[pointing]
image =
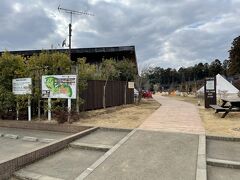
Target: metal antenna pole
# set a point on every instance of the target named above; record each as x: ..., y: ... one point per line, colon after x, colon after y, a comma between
x: 72, y: 12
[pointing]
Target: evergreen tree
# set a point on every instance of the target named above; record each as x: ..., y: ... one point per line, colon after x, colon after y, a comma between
x: 234, y: 57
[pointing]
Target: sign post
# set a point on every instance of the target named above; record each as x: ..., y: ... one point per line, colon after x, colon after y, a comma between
x: 23, y: 86
x: 59, y: 86
x: 29, y: 108
x: 69, y: 109
x: 130, y: 86
x: 210, y: 92
x: 17, y: 111
x: 49, y: 109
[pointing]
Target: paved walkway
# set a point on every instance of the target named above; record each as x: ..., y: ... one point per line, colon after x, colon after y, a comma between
x: 174, y: 116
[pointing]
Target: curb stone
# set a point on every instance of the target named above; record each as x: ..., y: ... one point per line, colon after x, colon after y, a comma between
x: 46, y: 140
x: 224, y: 138
x: 98, y: 147
x: 201, y: 173
x: 223, y: 163
x: 11, y: 136
x: 33, y: 176
x: 116, y: 129
x: 29, y: 138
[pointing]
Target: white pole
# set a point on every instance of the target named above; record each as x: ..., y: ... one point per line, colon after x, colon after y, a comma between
x: 17, y: 111
x: 29, y: 109
x: 69, y: 109
x: 49, y: 109
x: 69, y: 105
x: 77, y: 90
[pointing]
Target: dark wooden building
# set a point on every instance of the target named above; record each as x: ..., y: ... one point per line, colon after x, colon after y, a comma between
x: 93, y: 55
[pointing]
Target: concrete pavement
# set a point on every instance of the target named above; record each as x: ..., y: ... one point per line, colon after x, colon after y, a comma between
x: 220, y: 173
x: 10, y: 148
x: 66, y: 164
x: 151, y: 155
x: 223, y: 158
x: 225, y: 150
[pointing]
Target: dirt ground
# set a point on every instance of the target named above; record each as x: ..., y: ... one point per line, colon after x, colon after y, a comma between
x: 213, y: 123
x: 128, y: 116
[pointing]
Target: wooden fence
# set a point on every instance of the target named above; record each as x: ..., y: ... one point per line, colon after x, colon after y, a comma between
x: 115, y: 94
x: 92, y: 96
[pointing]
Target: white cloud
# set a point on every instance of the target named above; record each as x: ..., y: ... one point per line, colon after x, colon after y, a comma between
x: 17, y: 7
x: 165, y: 33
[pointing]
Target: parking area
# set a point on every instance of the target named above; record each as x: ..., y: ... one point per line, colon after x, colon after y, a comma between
x: 34, y: 133
x: 15, y: 142
x: 11, y: 148
x: 70, y: 162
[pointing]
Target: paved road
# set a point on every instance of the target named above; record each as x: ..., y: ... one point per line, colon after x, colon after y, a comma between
x: 174, y: 116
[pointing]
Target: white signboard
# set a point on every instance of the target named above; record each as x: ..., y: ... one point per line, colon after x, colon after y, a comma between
x: 22, y: 86
x: 131, y: 85
x: 59, y: 86
x: 210, y: 85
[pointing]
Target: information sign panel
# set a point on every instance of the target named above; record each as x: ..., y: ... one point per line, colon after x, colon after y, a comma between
x: 131, y: 85
x: 210, y: 92
x: 59, y: 86
x: 22, y: 86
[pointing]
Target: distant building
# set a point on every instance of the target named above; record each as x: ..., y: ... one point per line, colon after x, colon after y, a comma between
x: 93, y: 55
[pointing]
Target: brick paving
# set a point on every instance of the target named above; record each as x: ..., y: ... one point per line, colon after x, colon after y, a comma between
x: 174, y: 116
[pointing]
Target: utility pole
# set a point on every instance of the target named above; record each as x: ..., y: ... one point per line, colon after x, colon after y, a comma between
x: 73, y: 12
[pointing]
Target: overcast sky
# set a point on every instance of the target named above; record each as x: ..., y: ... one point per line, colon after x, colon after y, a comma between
x: 166, y: 33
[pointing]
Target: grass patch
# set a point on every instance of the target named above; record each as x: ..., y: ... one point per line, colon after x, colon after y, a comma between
x: 188, y: 99
x: 215, y: 125
x: 127, y: 116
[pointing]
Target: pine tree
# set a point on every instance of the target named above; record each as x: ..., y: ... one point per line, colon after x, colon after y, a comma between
x: 234, y: 57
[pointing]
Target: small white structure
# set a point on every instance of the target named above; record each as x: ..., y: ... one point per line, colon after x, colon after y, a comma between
x: 224, y: 88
